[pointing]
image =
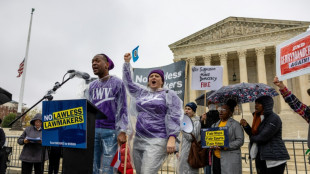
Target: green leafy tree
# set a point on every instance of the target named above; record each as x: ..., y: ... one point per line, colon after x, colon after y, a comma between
x: 30, y: 115
x: 8, y: 119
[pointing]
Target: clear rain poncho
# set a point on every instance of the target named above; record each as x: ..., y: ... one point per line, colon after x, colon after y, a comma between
x: 157, y: 116
x: 183, y: 166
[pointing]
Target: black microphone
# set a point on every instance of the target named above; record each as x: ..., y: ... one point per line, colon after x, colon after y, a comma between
x: 79, y: 74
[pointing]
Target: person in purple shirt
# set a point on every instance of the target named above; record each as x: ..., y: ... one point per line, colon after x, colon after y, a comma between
x: 108, y: 94
x: 158, y: 113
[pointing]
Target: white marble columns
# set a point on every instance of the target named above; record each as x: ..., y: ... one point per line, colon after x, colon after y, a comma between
x: 261, y: 66
x: 192, y: 93
x: 243, y: 77
x: 223, y: 59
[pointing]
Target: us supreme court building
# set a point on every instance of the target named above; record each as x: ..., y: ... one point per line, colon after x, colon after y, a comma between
x: 246, y: 48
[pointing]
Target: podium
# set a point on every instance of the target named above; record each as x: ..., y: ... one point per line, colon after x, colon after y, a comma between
x: 70, y: 124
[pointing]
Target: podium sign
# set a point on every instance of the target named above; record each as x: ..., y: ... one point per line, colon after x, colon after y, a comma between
x: 217, y: 136
x: 65, y: 123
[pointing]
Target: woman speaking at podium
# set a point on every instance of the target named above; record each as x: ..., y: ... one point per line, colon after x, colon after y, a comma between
x: 158, y: 112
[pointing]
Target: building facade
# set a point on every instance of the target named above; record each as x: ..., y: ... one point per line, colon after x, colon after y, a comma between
x: 246, y: 48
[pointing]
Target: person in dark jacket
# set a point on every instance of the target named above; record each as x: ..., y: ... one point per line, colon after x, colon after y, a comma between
x: 54, y: 159
x: 266, y: 134
x: 2, y: 151
x: 207, y: 120
x: 32, y: 150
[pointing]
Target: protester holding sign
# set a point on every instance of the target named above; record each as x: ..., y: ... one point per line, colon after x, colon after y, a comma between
x: 158, y: 112
x: 108, y: 94
x: 31, y: 139
x: 299, y: 107
x: 187, y: 139
x: 207, y: 120
x: 267, y: 146
x: 228, y: 160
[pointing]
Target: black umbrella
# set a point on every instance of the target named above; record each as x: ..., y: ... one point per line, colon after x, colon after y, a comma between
x: 201, y: 99
x: 5, y: 96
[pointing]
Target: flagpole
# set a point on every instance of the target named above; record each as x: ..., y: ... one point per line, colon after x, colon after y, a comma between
x: 21, y: 93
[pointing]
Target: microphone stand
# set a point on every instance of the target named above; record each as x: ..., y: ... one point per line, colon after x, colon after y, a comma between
x: 47, y: 96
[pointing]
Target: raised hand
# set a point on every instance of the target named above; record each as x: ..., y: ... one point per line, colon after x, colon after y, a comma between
x: 278, y: 83
x: 127, y: 57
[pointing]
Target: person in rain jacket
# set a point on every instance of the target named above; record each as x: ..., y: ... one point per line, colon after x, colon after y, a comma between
x: 184, y: 168
x: 31, y: 155
x: 158, y: 112
x: 266, y: 132
x: 108, y: 94
x: 228, y: 160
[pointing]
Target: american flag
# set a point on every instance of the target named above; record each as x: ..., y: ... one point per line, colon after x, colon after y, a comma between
x: 21, y: 68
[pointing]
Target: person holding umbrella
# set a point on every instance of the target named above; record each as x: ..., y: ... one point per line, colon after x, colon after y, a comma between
x: 299, y: 107
x: 228, y: 160
x: 267, y: 146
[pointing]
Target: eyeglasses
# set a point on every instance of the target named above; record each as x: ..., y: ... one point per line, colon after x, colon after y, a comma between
x: 221, y: 109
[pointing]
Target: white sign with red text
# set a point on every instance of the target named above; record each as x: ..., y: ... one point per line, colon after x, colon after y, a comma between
x: 207, y: 77
x: 293, y: 57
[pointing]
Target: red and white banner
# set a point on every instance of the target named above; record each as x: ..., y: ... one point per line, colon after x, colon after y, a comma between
x: 293, y: 57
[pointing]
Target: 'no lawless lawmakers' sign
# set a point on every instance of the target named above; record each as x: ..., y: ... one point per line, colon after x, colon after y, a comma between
x: 293, y: 57
x: 174, y: 76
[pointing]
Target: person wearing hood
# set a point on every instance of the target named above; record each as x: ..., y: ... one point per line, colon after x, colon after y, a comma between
x: 183, y: 166
x: 158, y: 112
x: 228, y: 160
x: 108, y: 94
x: 300, y: 108
x: 207, y: 120
x: 31, y: 139
x: 267, y: 146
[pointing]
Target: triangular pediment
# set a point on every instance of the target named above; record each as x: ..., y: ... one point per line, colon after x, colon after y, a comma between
x: 236, y: 27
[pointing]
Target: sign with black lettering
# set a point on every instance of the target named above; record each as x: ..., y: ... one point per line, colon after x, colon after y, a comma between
x: 207, y: 77
x: 217, y: 136
x: 64, y: 123
x: 174, y: 76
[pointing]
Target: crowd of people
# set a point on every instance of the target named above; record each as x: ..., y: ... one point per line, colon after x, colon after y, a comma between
x: 157, y: 116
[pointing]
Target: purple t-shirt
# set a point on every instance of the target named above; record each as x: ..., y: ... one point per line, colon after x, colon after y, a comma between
x: 109, y: 97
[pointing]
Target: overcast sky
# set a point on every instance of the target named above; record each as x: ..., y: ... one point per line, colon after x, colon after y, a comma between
x: 66, y: 34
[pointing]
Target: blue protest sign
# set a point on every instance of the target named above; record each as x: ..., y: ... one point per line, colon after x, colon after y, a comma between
x: 64, y: 123
x: 135, y: 55
x: 217, y: 136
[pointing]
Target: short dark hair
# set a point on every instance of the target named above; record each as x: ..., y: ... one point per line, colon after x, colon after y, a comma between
x: 308, y: 91
x: 0, y: 120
